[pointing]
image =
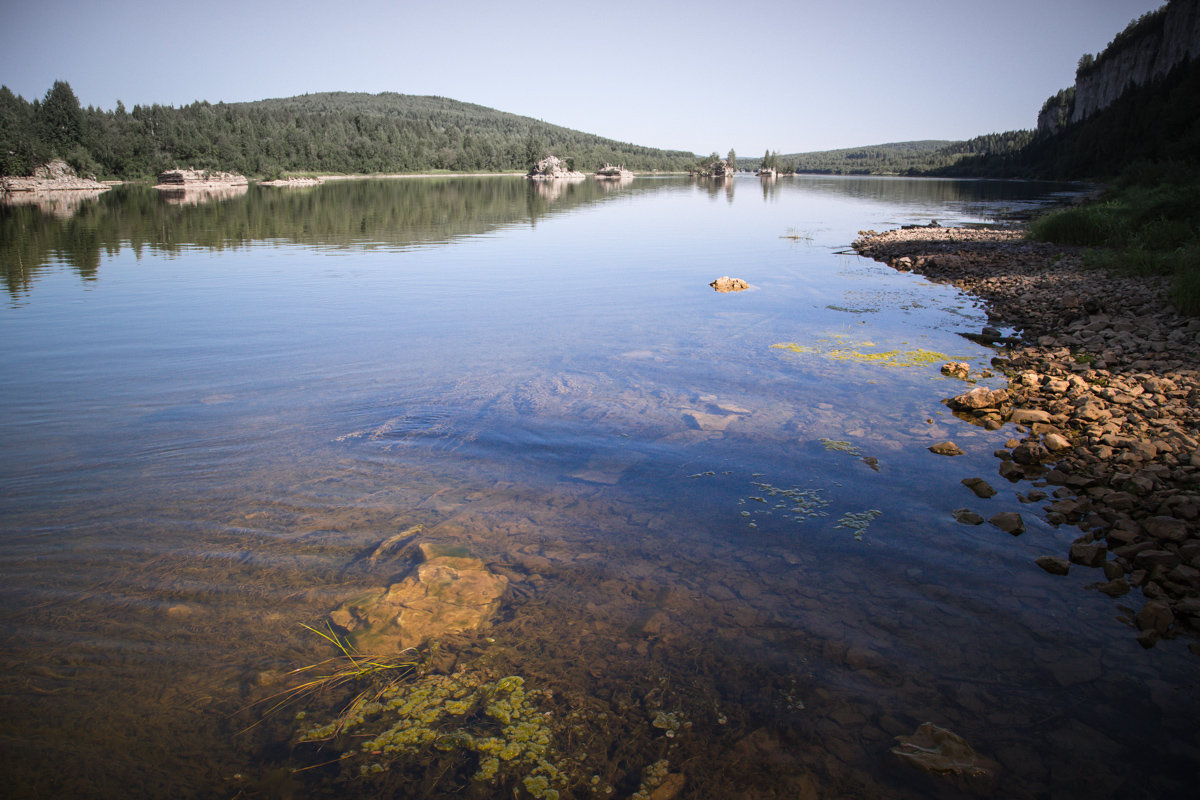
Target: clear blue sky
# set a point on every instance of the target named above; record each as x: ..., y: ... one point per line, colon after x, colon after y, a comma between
x: 789, y: 75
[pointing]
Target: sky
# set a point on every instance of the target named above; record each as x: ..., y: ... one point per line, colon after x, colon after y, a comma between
x: 697, y: 75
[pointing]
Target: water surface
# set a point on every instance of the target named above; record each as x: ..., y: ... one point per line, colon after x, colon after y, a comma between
x: 213, y: 409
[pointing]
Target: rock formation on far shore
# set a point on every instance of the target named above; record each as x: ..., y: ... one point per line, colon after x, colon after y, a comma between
x: 198, y: 179
x: 552, y: 168
x: 54, y: 176
x: 610, y: 173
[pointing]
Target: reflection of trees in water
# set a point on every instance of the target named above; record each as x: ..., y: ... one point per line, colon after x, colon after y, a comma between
x: 921, y: 191
x: 361, y: 213
x: 717, y: 187
x: 394, y: 213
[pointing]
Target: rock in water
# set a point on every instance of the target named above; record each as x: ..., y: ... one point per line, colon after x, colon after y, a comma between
x: 980, y: 487
x: 1009, y: 522
x: 947, y: 449
x: 943, y: 752
x: 957, y: 369
x: 728, y: 284
x: 450, y: 592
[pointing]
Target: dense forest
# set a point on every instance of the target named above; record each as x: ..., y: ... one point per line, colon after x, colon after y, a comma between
x: 335, y: 132
x: 903, y: 158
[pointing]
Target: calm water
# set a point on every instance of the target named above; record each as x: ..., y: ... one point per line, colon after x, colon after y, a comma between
x: 213, y: 409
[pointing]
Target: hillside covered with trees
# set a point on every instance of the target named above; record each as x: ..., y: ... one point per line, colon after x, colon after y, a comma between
x: 333, y: 132
x: 903, y: 158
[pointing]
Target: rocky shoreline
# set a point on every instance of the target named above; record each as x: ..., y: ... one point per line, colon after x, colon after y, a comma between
x: 1104, y: 392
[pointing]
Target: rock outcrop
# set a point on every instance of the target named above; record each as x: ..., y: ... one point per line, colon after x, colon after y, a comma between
x: 1151, y: 48
x: 198, y: 179
x: 715, y: 169
x: 610, y: 173
x: 54, y: 176
x: 553, y: 168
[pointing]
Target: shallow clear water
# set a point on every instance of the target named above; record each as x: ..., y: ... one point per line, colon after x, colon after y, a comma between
x: 213, y: 409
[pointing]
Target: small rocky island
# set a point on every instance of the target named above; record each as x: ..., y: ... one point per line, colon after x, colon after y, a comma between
x: 610, y: 173
x: 293, y: 183
x: 715, y: 168
x: 199, y: 179
x: 553, y: 168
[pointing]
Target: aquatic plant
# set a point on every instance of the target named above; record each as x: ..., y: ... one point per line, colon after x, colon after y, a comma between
x: 885, y: 358
x: 492, y: 721
x: 653, y: 777
x: 349, y: 667
x: 802, y: 504
x: 858, y: 521
x: 834, y: 445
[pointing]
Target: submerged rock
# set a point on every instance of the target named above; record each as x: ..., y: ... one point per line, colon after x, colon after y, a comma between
x: 942, y: 752
x: 980, y: 487
x: 449, y: 592
x: 967, y: 517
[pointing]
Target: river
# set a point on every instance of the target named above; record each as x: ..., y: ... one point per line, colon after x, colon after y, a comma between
x: 729, y: 551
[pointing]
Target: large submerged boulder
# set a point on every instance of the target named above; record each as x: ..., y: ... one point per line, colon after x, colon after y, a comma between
x: 449, y: 591
x: 942, y: 752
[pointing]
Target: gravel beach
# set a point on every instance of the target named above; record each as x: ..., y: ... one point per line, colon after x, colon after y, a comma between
x: 1103, y: 404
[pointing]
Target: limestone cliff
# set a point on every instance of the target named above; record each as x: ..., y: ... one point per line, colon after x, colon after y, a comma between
x: 1147, y: 51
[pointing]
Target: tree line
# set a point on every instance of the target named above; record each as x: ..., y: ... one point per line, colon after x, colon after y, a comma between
x: 334, y: 132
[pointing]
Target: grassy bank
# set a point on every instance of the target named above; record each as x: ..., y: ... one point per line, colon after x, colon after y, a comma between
x: 1148, y: 223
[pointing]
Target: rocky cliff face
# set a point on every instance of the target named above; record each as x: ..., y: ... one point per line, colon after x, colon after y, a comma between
x: 1149, y: 55
x: 1141, y: 60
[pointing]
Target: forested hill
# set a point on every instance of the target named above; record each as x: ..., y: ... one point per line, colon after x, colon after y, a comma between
x: 335, y: 132
x: 901, y: 158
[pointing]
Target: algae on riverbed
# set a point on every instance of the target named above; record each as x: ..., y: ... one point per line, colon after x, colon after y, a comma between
x: 858, y: 353
x: 494, y: 722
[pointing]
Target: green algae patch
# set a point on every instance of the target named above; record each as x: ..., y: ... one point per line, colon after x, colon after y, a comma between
x: 493, y: 724
x: 836, y: 446
x: 860, y: 354
x: 858, y: 521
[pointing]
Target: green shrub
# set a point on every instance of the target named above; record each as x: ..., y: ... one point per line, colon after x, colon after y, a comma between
x: 1088, y: 226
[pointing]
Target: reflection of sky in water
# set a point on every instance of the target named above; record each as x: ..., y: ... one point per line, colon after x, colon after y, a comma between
x: 211, y: 433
